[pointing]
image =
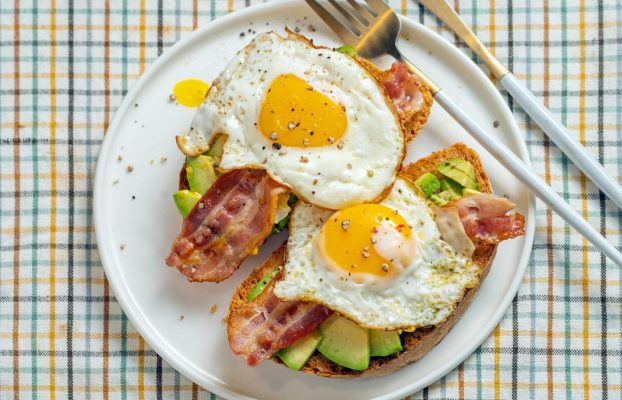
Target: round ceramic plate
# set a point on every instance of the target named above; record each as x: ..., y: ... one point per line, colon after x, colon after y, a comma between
x: 136, y: 220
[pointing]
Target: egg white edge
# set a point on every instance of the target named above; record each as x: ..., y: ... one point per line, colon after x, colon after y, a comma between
x: 408, y: 328
x: 182, y: 140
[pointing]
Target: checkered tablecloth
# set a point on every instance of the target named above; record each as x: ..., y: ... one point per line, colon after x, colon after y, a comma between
x: 64, y: 68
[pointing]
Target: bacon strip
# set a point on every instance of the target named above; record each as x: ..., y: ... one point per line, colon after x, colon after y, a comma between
x: 261, y: 327
x: 484, y: 218
x: 232, y: 219
x: 403, y: 89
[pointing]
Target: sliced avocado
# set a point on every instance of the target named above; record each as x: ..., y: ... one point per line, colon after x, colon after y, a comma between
x: 215, y: 150
x: 279, y: 226
x: 185, y: 201
x: 347, y: 49
x: 428, y: 184
x: 384, y: 343
x: 292, y: 199
x: 448, y: 195
x: 345, y: 343
x: 200, y: 173
x: 460, y: 171
x: 451, y: 186
x: 464, y: 166
x: 466, y: 192
x: 262, y: 283
x: 438, y: 200
x: 296, y: 355
x: 282, y: 224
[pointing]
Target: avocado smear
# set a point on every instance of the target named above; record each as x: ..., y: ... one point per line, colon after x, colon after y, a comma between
x: 262, y: 283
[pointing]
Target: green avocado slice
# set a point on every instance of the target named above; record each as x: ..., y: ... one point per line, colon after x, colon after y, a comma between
x: 466, y: 192
x: 460, y: 171
x: 215, y: 150
x: 345, y: 343
x: 200, y: 172
x: 384, y: 343
x: 296, y: 355
x: 451, y: 186
x: 438, y: 200
x: 185, y: 201
x: 262, y: 283
x: 347, y: 49
x: 428, y: 184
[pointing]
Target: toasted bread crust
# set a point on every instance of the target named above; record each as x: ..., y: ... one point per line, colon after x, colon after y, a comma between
x: 418, y: 343
x: 276, y: 259
x: 413, y: 125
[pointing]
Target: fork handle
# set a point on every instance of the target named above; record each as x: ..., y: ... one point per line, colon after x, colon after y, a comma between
x: 515, y: 165
x: 519, y: 169
x: 534, y: 108
x: 562, y: 138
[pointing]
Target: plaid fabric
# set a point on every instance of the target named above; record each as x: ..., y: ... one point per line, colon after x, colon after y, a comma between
x: 64, y: 68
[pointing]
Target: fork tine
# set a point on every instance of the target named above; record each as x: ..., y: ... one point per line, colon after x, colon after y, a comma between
x: 378, y: 6
x: 344, y: 32
x: 361, y: 10
x: 353, y: 17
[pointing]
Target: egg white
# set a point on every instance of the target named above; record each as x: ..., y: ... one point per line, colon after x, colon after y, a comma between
x: 373, y: 145
x: 424, y: 294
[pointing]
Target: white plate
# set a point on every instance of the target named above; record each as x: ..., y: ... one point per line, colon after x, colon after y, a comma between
x: 155, y: 296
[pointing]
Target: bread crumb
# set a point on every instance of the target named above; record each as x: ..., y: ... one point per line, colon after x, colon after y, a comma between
x: 130, y: 168
x: 163, y: 159
x: 213, y: 308
x: 119, y: 158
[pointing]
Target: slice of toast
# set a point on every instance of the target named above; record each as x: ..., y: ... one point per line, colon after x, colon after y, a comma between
x: 416, y: 344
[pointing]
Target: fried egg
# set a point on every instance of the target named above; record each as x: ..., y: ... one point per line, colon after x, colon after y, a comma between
x: 312, y: 117
x: 385, y: 266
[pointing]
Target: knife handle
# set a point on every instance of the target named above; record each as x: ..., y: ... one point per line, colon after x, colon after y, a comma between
x: 562, y: 138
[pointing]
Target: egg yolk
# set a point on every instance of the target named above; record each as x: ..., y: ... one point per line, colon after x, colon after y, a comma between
x: 366, y: 241
x: 294, y: 114
x: 190, y: 92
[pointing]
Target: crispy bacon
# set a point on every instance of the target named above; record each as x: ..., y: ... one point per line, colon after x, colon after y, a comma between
x: 484, y: 218
x: 261, y: 327
x: 232, y: 219
x: 403, y: 89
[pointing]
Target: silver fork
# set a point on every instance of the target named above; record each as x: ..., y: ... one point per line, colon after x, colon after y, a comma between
x: 373, y: 28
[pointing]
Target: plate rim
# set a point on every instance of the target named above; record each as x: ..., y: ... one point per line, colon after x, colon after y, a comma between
x: 125, y: 297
